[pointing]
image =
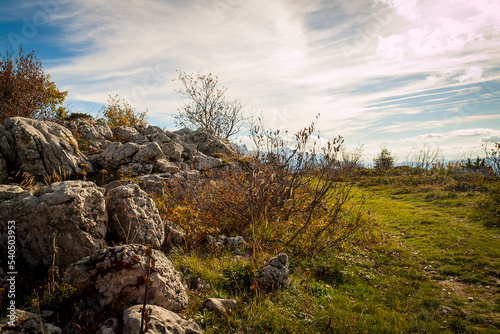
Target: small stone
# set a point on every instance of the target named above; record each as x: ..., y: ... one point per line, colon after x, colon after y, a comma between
x: 220, y: 305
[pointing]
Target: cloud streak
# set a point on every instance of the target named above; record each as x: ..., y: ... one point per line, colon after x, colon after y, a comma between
x: 373, y: 69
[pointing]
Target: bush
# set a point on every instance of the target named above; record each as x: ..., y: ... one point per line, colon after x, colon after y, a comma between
x: 76, y: 115
x: 288, y: 194
x: 26, y: 91
x: 118, y: 112
x: 384, y: 160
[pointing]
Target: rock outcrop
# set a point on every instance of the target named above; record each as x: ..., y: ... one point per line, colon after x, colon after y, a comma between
x: 71, y: 211
x: 220, y: 305
x: 40, y: 148
x: 116, y: 276
x: 275, y: 274
x: 159, y: 321
x: 133, y: 216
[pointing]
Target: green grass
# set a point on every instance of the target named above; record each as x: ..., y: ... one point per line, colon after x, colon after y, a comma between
x: 422, y: 265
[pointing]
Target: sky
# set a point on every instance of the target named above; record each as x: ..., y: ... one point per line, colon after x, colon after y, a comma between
x: 398, y: 74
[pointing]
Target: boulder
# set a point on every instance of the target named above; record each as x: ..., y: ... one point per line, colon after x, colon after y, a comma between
x: 207, y: 142
x: 133, y: 216
x: 26, y: 322
x: 72, y: 211
x: 136, y: 169
x: 89, y: 129
x: 173, y: 150
x: 116, y: 276
x: 156, y: 134
x: 166, y: 166
x: 202, y: 162
x: 149, y: 153
x: 275, y: 274
x: 159, y: 321
x: 127, y: 134
x: 154, y: 183
x: 40, y: 147
x: 116, y: 155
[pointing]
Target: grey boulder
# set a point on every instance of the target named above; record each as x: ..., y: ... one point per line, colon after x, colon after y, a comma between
x: 118, y: 274
x: 133, y: 216
x: 275, y: 274
x: 159, y: 321
x: 40, y: 148
x: 71, y: 211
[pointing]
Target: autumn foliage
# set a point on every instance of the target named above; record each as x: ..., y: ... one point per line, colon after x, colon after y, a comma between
x: 119, y: 112
x: 26, y: 91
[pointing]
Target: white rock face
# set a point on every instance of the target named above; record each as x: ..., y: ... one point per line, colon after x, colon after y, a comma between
x: 40, y: 147
x: 133, y: 216
x: 72, y: 211
x: 117, y: 275
x: 160, y: 321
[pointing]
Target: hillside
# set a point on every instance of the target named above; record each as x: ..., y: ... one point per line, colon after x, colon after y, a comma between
x: 107, y: 220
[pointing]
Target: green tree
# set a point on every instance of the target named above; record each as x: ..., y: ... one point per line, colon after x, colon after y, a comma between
x: 118, y: 112
x: 384, y: 160
x: 26, y: 91
x: 208, y: 108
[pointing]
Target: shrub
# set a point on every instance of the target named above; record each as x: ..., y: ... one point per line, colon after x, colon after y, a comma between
x: 26, y: 91
x: 384, y: 160
x: 76, y: 115
x: 118, y: 112
x: 287, y: 195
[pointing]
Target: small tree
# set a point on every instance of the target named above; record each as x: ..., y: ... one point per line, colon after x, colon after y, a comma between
x: 493, y: 157
x: 384, y: 159
x: 118, y: 112
x: 26, y: 91
x: 208, y: 108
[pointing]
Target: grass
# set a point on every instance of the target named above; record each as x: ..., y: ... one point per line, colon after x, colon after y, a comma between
x: 426, y: 261
x: 422, y: 265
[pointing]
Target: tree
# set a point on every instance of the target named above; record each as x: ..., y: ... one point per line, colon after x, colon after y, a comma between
x: 26, y: 91
x: 384, y: 159
x: 118, y: 112
x: 208, y: 108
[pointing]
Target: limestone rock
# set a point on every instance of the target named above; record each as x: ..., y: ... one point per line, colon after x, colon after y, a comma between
x: 116, y: 155
x: 40, y: 147
x: 97, y: 133
x: 275, y: 274
x: 117, y: 275
x: 175, y: 233
x: 9, y: 191
x: 72, y: 211
x: 27, y: 322
x: 160, y: 321
x: 154, y: 183
x: 203, y: 162
x: 133, y: 216
x: 136, y: 169
x: 220, y: 305
x: 173, y: 150
x: 127, y: 134
x: 149, y: 153
x: 206, y: 142
x: 166, y: 166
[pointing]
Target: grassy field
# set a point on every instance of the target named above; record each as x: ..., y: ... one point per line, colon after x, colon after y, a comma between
x: 423, y: 263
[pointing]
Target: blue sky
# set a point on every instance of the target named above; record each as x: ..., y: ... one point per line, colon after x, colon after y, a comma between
x: 395, y: 73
